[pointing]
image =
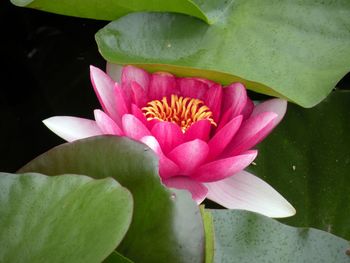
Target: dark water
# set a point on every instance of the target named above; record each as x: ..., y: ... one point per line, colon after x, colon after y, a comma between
x: 45, y: 72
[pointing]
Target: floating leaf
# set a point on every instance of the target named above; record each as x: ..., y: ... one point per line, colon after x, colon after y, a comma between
x: 298, y: 50
x: 242, y: 236
x: 307, y: 159
x: 113, y: 9
x: 166, y: 226
x: 66, y: 218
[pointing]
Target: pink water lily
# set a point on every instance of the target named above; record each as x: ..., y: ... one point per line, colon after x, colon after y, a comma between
x: 202, y: 133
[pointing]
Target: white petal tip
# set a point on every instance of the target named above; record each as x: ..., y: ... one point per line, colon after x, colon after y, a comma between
x: 72, y: 128
x: 248, y: 192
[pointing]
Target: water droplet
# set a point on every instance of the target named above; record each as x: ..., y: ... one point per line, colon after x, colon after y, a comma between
x: 294, y: 167
x: 173, y: 196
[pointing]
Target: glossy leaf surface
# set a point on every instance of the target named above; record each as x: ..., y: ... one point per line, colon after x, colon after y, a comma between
x: 66, y: 218
x: 298, y: 50
x: 166, y: 226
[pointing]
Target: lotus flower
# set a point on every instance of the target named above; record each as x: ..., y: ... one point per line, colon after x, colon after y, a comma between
x: 202, y: 133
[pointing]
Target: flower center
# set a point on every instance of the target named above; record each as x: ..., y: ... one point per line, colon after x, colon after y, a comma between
x: 182, y: 111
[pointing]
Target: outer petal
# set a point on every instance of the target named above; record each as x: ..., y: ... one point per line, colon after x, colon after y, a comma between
x: 114, y: 71
x: 162, y: 85
x: 246, y: 191
x: 189, y: 155
x: 198, y: 130
x: 223, y: 137
x: 252, y: 131
x: 198, y: 190
x: 106, y: 124
x: 104, y: 89
x: 224, y: 168
x: 192, y: 88
x: 168, y: 134
x: 122, y: 107
x: 72, y: 128
x: 134, y: 128
x: 167, y: 167
x: 131, y: 73
x: 277, y: 106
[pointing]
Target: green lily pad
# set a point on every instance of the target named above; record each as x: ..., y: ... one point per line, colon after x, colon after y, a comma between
x: 297, y: 50
x: 115, y: 257
x: 166, y: 225
x: 66, y: 218
x: 113, y: 9
x: 242, y: 236
x: 307, y: 159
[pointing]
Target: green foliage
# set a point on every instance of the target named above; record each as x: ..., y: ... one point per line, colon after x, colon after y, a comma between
x: 242, y: 236
x: 66, y: 218
x: 166, y: 225
x: 307, y: 159
x: 297, y: 50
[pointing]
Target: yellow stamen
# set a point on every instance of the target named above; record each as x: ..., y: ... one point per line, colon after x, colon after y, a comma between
x: 182, y: 111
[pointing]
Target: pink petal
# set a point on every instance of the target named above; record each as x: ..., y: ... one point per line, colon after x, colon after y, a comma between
x: 106, y: 124
x: 277, y: 106
x: 168, y: 134
x: 139, y: 95
x: 72, y: 128
x: 121, y: 107
x: 252, y: 131
x: 131, y: 73
x: 167, y: 167
x: 114, y: 71
x: 213, y: 100
x: 104, y: 89
x: 162, y: 85
x: 133, y: 127
x: 235, y: 97
x: 192, y: 88
x: 189, y: 155
x: 136, y: 111
x: 206, y: 81
x: 224, y: 168
x: 223, y: 137
x: 248, y: 109
x: 246, y: 191
x: 198, y: 190
x: 198, y: 130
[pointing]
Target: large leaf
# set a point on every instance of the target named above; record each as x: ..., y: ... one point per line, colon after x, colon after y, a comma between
x: 113, y: 9
x: 307, y: 159
x: 242, y: 236
x: 293, y: 49
x: 166, y: 226
x: 66, y: 218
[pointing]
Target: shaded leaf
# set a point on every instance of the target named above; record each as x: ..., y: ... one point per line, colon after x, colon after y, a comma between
x: 115, y: 257
x: 113, y: 9
x: 242, y: 236
x: 307, y: 159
